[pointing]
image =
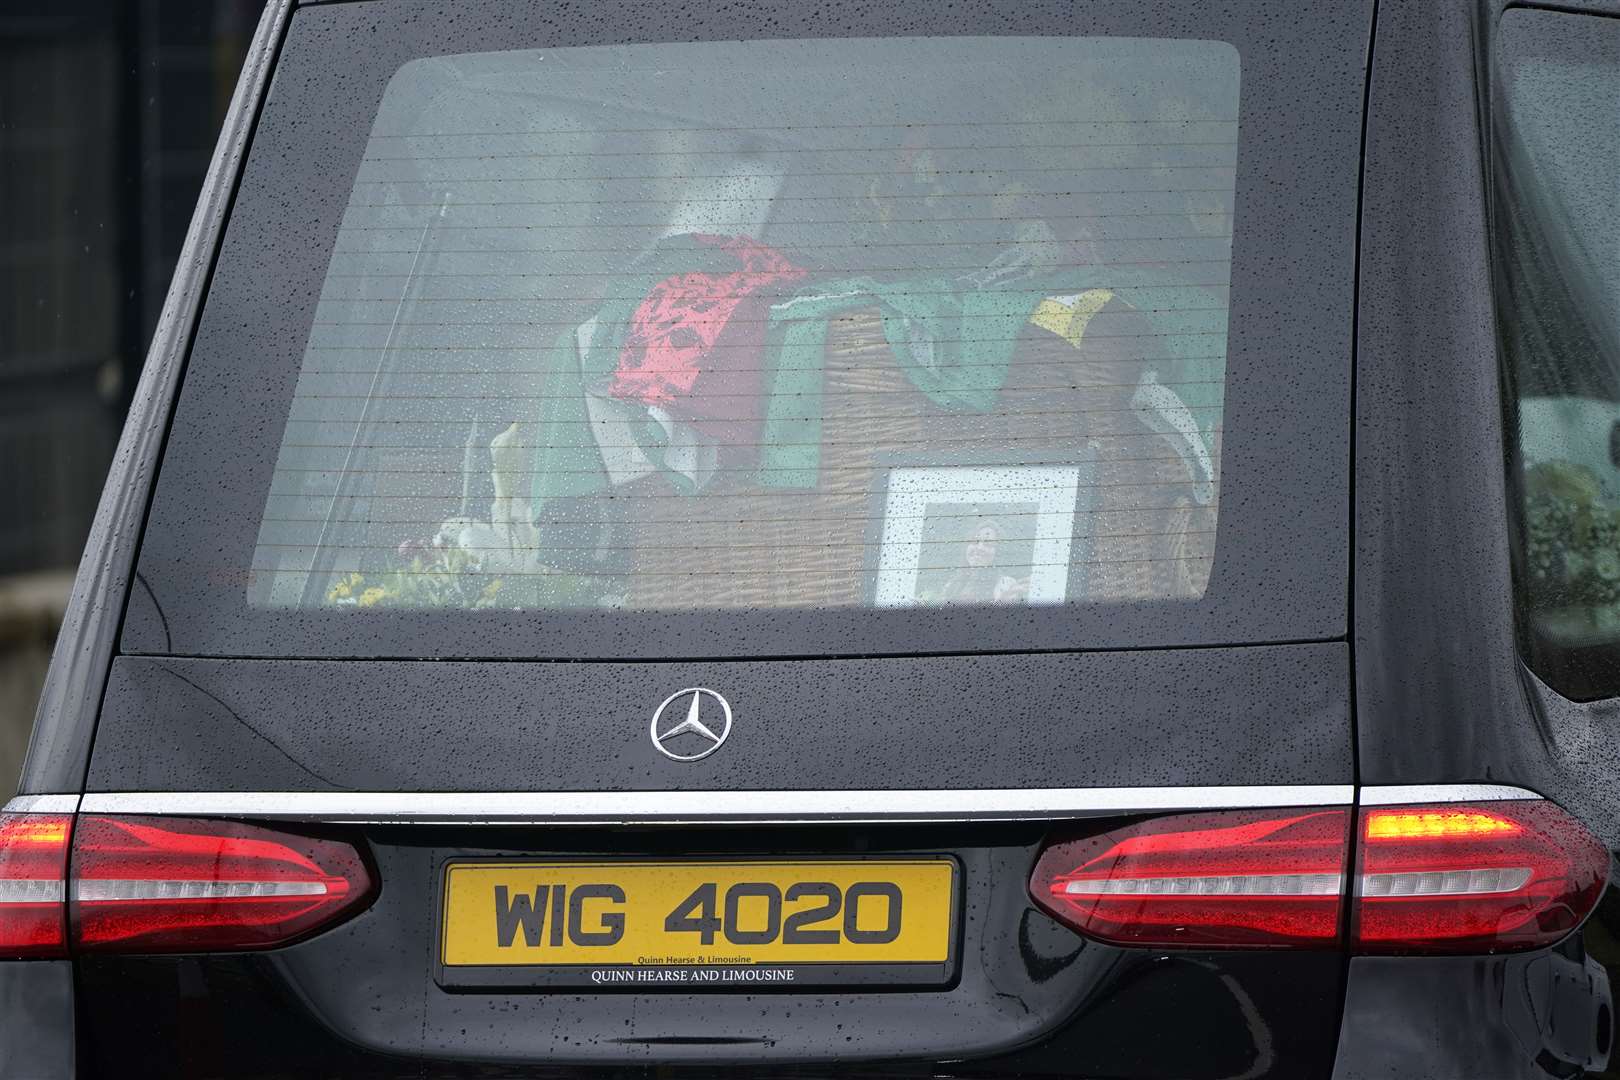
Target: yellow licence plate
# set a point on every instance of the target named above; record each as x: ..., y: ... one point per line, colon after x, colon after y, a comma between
x: 687, y: 924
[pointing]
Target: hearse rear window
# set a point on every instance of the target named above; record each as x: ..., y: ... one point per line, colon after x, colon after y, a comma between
x: 852, y: 323
x: 680, y: 333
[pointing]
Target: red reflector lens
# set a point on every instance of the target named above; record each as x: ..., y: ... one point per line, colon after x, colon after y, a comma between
x: 1474, y: 877
x: 33, y: 869
x: 1231, y: 878
x: 175, y: 884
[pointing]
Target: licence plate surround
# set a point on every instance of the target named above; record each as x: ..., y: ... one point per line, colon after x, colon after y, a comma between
x: 468, y: 953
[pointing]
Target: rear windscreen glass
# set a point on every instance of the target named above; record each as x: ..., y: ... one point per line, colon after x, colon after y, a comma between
x: 774, y: 323
x: 946, y: 334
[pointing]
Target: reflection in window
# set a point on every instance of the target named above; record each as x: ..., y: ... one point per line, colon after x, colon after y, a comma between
x: 1558, y: 126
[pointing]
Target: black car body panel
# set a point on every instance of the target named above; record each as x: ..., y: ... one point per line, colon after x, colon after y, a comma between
x: 1440, y: 689
x: 1114, y: 1035
x: 1426, y: 688
x: 1534, y: 1015
x: 1032, y: 998
x: 1272, y: 715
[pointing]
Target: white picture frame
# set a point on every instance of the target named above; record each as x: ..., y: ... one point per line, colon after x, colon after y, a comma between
x: 939, y: 522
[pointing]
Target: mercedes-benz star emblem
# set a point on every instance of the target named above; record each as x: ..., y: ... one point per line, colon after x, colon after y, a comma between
x: 692, y: 733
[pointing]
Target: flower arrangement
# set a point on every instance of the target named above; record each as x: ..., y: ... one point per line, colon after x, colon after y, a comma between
x: 428, y: 576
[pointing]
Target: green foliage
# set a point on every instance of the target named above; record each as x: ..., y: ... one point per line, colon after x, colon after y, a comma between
x: 1572, y: 538
x: 430, y: 577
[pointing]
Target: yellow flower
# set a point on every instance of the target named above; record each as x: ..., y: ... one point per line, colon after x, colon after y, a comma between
x: 345, y: 588
x: 371, y: 596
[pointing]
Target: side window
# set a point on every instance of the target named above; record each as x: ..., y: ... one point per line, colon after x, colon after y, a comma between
x: 1558, y: 258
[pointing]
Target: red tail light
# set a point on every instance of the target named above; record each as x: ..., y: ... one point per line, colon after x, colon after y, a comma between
x: 1474, y: 877
x: 174, y: 884
x: 1241, y: 877
x: 33, y: 873
x: 1445, y: 878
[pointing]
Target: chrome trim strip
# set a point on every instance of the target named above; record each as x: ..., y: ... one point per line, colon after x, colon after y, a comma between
x: 683, y: 807
x: 1385, y: 795
x: 677, y: 807
x: 41, y: 804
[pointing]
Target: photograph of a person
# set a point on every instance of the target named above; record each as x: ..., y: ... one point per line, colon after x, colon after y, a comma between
x: 977, y: 535
x: 976, y: 553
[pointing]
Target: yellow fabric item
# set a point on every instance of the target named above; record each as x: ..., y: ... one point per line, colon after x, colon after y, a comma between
x: 1068, y: 321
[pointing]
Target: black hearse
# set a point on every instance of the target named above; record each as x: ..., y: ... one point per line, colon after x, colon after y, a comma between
x: 1060, y: 539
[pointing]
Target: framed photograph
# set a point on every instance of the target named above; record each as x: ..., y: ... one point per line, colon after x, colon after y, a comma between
x: 977, y: 534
